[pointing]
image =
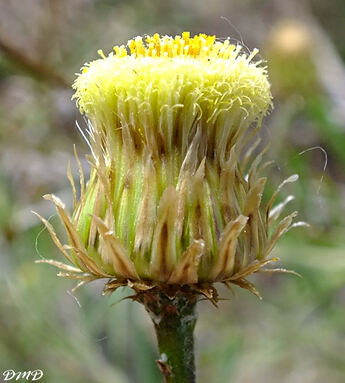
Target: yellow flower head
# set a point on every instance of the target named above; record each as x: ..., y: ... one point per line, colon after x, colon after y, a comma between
x: 173, y: 198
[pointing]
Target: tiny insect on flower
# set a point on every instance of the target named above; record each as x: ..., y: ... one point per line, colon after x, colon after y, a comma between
x: 174, y: 196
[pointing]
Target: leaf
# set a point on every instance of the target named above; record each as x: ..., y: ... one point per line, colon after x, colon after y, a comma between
x: 71, y: 231
x: 123, y: 266
x: 208, y: 291
x: 186, y: 270
x: 141, y: 285
x: 163, y: 254
x: 254, y: 195
x: 280, y: 270
x: 54, y: 237
x: 59, y: 265
x: 249, y: 153
x: 81, y: 174
x: 86, y: 262
x: 227, y: 248
x: 276, y: 211
x: 147, y: 209
x: 244, y: 284
x: 253, y: 167
x: 290, y: 179
x: 299, y: 224
x: 71, y: 180
x: 113, y: 285
x: 251, y: 268
x: 85, y: 277
x: 281, y: 229
x: 80, y: 284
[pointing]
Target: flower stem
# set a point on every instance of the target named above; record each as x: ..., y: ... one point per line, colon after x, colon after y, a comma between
x: 174, y: 321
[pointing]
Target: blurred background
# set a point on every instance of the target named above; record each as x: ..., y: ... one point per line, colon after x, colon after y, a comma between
x: 297, y: 333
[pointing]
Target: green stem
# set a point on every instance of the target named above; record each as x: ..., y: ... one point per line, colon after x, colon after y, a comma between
x: 174, y: 321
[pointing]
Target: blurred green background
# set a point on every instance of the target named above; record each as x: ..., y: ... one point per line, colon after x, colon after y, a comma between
x: 297, y: 333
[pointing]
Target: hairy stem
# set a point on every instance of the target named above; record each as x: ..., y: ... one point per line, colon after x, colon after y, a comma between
x: 174, y: 321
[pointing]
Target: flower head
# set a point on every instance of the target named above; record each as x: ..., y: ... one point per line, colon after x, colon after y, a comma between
x: 173, y: 198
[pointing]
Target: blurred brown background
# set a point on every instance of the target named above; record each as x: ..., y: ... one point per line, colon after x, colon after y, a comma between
x: 297, y: 333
